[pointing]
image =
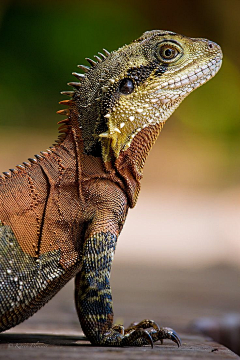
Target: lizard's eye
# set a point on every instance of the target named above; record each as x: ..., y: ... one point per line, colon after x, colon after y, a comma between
x: 126, y: 86
x: 168, y: 52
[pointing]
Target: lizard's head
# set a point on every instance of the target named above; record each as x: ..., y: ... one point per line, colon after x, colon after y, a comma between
x: 139, y: 86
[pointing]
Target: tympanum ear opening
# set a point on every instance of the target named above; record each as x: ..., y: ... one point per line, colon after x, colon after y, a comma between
x: 126, y: 86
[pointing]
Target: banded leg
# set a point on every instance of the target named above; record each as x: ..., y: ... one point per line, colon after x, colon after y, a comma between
x: 93, y: 297
x: 94, y: 300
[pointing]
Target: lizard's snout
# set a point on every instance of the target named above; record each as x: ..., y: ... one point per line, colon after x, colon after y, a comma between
x: 214, y: 47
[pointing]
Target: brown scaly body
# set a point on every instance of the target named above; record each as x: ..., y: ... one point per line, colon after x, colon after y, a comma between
x: 62, y: 212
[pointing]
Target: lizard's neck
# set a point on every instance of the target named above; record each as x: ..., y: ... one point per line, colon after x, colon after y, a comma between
x: 126, y: 169
x: 130, y: 163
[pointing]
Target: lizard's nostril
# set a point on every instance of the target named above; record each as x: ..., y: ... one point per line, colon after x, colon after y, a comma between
x: 210, y: 45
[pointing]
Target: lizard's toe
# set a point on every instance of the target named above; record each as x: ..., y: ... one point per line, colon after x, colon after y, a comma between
x: 168, y: 333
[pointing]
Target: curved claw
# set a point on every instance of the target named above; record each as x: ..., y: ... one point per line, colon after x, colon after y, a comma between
x: 176, y: 339
x: 148, y: 337
x: 172, y: 335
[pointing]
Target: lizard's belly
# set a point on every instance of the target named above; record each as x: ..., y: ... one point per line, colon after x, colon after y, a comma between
x: 27, y: 283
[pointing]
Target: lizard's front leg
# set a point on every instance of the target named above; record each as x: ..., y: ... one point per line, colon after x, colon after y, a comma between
x: 93, y: 293
x: 94, y: 300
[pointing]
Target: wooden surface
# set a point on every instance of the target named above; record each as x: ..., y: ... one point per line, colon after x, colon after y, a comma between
x: 15, y: 346
x: 174, y: 298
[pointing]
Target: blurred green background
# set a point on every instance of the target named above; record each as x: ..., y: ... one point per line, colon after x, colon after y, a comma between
x: 41, y: 42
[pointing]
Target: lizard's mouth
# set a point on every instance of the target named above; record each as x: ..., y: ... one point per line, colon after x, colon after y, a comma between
x: 180, y: 86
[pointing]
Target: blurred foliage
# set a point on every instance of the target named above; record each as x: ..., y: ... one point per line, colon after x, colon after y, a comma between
x: 41, y: 42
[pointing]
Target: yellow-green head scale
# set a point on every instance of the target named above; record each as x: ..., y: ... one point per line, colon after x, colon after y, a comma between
x: 141, y: 84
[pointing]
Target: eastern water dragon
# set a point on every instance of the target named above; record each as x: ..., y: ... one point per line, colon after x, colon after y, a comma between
x: 62, y: 211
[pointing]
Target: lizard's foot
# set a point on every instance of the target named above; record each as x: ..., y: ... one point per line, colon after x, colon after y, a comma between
x: 137, y: 335
x: 156, y: 332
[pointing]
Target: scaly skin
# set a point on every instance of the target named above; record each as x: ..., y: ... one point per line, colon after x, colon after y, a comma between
x: 61, y: 213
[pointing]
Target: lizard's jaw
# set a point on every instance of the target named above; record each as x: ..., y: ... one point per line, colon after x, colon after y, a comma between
x: 189, y: 80
x: 167, y: 96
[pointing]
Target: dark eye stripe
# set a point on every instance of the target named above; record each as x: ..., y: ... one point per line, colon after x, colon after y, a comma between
x: 161, y: 70
x: 141, y: 73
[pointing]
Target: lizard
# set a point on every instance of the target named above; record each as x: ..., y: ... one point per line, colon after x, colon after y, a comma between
x: 62, y: 211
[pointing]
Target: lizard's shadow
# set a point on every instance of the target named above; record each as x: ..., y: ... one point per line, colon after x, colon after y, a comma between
x: 38, y: 340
